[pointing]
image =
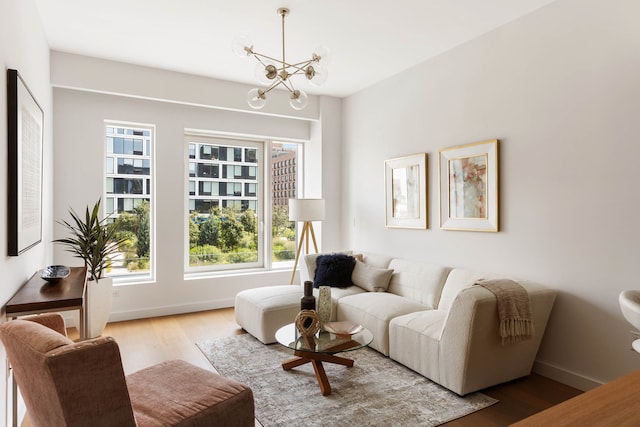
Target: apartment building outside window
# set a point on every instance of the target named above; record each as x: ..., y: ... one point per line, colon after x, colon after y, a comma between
x: 227, y: 195
x: 225, y: 207
x: 129, y: 196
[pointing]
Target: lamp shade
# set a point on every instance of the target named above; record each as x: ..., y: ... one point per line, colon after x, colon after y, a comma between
x: 306, y: 209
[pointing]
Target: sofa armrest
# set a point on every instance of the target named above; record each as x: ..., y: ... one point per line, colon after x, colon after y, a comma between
x: 471, y: 351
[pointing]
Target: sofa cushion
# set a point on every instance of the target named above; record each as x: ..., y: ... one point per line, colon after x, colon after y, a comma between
x: 418, y: 281
x: 262, y: 311
x: 374, y: 311
x: 334, y: 270
x: 370, y: 278
x: 457, y: 280
x: 308, y: 266
x: 414, y: 336
x: 374, y: 259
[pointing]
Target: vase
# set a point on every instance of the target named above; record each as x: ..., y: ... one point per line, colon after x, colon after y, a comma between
x: 308, y: 301
x: 324, y: 305
x: 98, y: 305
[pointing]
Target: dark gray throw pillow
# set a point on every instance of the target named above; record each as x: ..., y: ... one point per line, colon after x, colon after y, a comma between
x: 334, y: 270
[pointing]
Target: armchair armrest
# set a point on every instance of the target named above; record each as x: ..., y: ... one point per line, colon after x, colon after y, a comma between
x: 53, y: 321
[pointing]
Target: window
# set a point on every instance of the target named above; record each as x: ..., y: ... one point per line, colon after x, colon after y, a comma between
x: 225, y: 205
x: 128, y: 196
x: 283, y: 231
x: 227, y: 197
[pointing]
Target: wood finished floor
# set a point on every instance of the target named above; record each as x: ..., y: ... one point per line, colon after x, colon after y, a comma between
x: 145, y: 342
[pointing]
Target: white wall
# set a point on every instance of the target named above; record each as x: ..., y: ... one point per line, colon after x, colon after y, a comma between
x: 560, y: 89
x: 23, y: 47
x: 80, y: 111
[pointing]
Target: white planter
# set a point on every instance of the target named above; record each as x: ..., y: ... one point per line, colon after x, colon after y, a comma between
x: 98, y: 305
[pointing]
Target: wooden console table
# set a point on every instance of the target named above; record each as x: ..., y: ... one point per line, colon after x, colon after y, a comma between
x: 612, y: 404
x: 38, y: 296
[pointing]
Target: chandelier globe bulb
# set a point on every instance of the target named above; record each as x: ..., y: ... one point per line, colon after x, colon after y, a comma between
x: 317, y: 74
x: 299, y: 99
x: 323, y: 54
x: 266, y: 72
x: 256, y: 98
x: 242, y: 46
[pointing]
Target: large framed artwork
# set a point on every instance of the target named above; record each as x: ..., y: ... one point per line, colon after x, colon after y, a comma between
x: 25, y: 132
x: 406, y: 191
x: 468, y: 186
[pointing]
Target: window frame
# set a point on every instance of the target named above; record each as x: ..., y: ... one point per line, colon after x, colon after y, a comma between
x: 150, y: 146
x: 232, y: 143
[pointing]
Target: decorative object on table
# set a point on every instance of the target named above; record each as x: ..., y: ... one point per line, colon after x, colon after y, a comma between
x: 324, y: 305
x: 94, y: 241
x: 345, y: 328
x: 275, y: 72
x: 468, y: 176
x: 305, y: 210
x: 405, y: 181
x: 25, y: 124
x: 308, y: 301
x: 307, y: 323
x: 53, y: 273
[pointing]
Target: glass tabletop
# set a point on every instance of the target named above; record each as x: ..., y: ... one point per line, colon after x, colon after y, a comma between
x: 322, y: 341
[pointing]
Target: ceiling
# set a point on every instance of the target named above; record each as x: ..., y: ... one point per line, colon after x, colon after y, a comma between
x: 370, y: 40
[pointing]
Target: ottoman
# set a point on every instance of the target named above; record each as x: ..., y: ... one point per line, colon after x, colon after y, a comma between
x: 176, y: 393
x: 262, y: 311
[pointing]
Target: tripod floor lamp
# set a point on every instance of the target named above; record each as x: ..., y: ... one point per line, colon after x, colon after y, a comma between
x: 305, y: 210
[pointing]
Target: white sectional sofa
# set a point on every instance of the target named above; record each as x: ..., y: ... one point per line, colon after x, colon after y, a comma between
x: 430, y: 318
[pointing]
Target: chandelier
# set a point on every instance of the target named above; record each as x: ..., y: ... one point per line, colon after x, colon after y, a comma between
x: 275, y: 72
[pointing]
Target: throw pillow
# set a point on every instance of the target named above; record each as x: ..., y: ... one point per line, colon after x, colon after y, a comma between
x: 334, y: 270
x: 310, y: 261
x: 370, y: 278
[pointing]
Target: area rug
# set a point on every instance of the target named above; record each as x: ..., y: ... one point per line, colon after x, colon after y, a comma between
x: 376, y: 391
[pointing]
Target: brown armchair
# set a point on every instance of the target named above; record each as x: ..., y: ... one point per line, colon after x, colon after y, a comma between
x: 83, y: 384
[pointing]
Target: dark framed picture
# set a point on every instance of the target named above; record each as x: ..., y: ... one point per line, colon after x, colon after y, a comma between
x: 25, y: 122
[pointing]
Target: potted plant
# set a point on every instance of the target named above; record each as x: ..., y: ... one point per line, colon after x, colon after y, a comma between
x: 93, y: 240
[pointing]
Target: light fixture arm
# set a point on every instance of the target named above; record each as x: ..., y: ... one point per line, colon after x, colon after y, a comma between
x: 283, y: 11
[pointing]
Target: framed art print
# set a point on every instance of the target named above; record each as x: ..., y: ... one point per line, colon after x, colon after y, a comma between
x: 406, y: 191
x: 468, y: 187
x: 25, y: 132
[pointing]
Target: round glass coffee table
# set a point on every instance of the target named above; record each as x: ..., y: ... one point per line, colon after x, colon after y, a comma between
x: 319, y: 348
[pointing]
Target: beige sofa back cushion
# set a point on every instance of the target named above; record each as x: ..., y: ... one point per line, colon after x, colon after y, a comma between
x: 458, y: 279
x: 375, y: 260
x: 370, y: 278
x: 419, y: 281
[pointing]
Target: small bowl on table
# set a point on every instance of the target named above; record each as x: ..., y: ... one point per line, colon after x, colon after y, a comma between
x: 343, y: 329
x: 54, y: 273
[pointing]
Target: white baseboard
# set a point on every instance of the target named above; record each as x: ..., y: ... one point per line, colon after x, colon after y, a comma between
x: 71, y: 318
x: 563, y: 376
x: 170, y: 310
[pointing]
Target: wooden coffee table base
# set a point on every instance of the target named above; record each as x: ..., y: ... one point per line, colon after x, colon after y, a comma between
x: 316, y: 359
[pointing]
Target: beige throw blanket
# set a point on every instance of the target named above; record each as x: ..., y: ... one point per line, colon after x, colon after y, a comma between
x: 514, y: 309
